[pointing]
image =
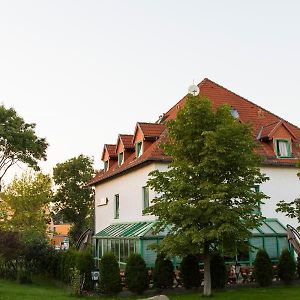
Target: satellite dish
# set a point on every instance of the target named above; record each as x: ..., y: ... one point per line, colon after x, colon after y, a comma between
x: 194, y: 90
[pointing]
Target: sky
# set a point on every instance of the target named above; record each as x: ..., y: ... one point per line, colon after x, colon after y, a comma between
x: 85, y: 71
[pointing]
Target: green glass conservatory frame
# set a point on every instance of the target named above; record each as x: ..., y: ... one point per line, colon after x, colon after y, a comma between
x: 125, y: 238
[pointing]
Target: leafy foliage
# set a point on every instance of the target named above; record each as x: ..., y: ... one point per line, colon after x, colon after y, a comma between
x: 263, y: 268
x: 18, y: 142
x: 298, y: 266
x: 73, y: 199
x: 207, y: 193
x: 27, y: 199
x: 218, y: 271
x: 163, y: 273
x: 286, y: 267
x: 110, y: 281
x: 136, y: 274
x: 189, y: 269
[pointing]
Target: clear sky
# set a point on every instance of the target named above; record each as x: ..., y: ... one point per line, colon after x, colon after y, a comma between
x: 84, y: 71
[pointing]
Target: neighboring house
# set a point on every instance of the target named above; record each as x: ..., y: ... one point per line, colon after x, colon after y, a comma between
x: 59, y: 235
x: 121, y: 191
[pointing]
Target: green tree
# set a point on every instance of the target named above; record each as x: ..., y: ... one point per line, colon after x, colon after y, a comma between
x: 286, y: 267
x: 163, y: 273
x: 206, y: 197
x: 263, y: 268
x: 73, y: 198
x: 27, y: 199
x: 18, y: 142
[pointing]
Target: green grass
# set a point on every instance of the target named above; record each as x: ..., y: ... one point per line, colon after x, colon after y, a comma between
x: 46, y: 291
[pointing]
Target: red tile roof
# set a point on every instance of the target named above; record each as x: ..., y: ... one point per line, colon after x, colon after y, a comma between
x: 262, y: 121
x: 127, y: 140
x: 111, y: 149
x: 151, y: 130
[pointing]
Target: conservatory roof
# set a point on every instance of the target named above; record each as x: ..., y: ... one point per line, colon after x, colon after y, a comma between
x: 126, y: 230
x: 271, y: 227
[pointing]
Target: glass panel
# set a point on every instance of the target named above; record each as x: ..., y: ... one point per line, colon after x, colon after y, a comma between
x: 257, y: 243
x: 106, y: 165
x: 148, y: 254
x: 276, y: 226
x: 271, y: 246
x: 113, y: 246
x: 282, y: 244
x: 138, y: 149
x: 126, y: 249
x: 122, y: 250
x: 266, y: 229
x: 117, y: 250
x: 120, y: 158
x: 131, y: 246
x: 104, y: 246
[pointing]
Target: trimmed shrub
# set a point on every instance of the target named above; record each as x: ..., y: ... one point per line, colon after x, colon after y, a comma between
x: 263, y: 268
x: 286, y: 267
x: 218, y: 271
x: 110, y: 281
x: 163, y: 273
x: 190, y: 274
x: 136, y: 274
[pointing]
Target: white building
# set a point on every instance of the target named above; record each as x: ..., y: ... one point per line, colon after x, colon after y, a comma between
x: 121, y: 193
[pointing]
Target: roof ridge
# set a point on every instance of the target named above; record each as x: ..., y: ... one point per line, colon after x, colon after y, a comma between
x: 249, y: 101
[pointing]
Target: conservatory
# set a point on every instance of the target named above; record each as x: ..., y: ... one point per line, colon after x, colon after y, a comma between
x: 125, y: 238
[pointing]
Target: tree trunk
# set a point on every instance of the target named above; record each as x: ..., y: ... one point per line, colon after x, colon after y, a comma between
x: 207, y: 279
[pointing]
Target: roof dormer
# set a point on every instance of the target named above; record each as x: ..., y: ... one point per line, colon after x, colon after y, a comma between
x: 124, y: 147
x: 281, y: 136
x: 144, y: 135
x: 109, y: 156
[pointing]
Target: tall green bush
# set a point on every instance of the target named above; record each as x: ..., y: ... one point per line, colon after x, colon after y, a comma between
x: 189, y: 269
x: 218, y: 271
x: 286, y: 267
x: 110, y: 281
x: 163, y: 273
x: 136, y: 274
x: 263, y: 269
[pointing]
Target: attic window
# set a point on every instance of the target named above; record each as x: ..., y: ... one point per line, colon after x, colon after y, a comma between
x: 105, y: 165
x: 120, y: 158
x: 283, y: 148
x: 139, y: 149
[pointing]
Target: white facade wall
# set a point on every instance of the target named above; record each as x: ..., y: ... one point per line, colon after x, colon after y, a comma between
x: 129, y: 187
x: 283, y: 185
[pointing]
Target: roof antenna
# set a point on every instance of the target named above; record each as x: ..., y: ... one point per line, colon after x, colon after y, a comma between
x: 194, y: 89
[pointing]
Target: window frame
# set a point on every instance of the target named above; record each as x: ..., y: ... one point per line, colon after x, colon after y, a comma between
x: 116, y: 206
x: 106, y: 165
x: 289, y: 148
x: 146, y: 202
x: 139, y: 149
x: 120, y: 162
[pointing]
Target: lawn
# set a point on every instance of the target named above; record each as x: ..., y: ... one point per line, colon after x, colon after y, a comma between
x: 14, y: 291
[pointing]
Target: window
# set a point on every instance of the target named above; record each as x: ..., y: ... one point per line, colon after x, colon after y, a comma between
x: 257, y: 209
x: 139, y: 149
x: 283, y: 148
x: 120, y: 158
x: 145, y: 197
x: 105, y: 165
x: 117, y: 206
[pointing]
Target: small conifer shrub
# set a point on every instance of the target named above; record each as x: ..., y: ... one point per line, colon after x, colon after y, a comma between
x: 136, y: 274
x: 218, y: 271
x: 263, y: 268
x: 163, y: 273
x: 190, y: 274
x: 110, y: 281
x: 286, y: 267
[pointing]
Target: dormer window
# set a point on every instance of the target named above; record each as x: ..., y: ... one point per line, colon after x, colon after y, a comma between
x: 120, y: 158
x: 283, y: 148
x: 139, y: 149
x: 105, y: 165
